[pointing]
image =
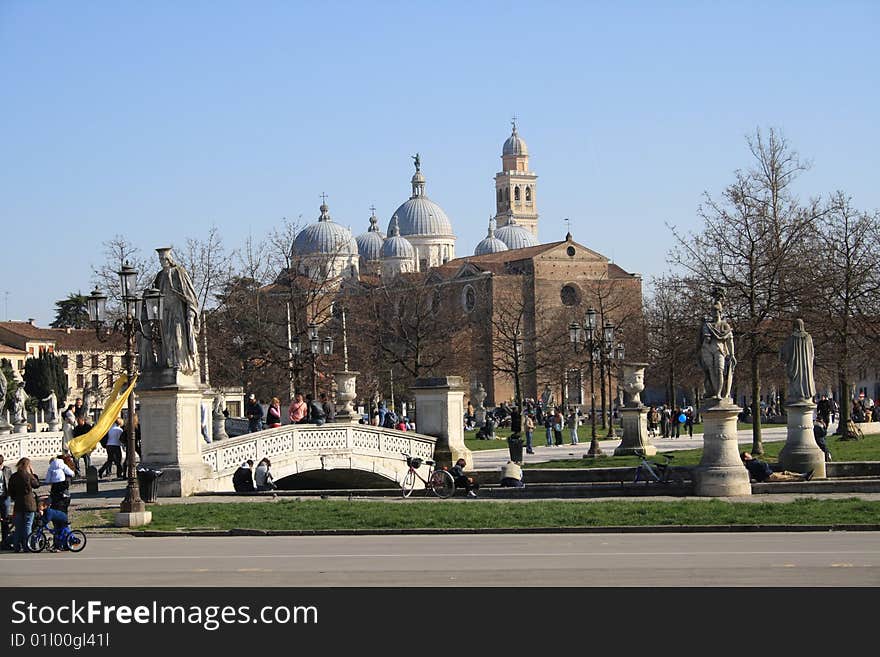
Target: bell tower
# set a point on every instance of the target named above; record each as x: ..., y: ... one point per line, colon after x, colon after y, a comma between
x: 516, y: 186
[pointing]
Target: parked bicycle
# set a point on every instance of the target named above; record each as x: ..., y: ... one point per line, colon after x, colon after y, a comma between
x: 439, y: 482
x: 62, y: 539
x: 661, y: 473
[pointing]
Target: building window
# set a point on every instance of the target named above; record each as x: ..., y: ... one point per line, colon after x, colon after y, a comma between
x: 500, y: 195
x: 516, y: 193
x: 528, y: 193
x: 94, y: 361
x: 79, y: 362
x: 468, y: 298
x: 80, y: 381
x: 570, y: 295
x: 110, y: 363
x: 110, y: 379
x: 95, y: 382
x: 64, y: 362
x: 570, y: 251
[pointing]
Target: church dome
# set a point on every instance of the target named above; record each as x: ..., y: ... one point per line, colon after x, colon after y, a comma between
x: 369, y: 244
x: 420, y: 215
x: 490, y: 243
x: 515, y: 145
x: 325, y: 237
x: 396, y: 246
x: 515, y: 236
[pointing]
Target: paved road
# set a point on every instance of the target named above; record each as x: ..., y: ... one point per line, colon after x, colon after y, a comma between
x: 771, y: 559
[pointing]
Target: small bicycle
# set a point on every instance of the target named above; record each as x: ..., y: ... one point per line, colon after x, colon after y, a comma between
x: 662, y: 473
x: 66, y: 538
x: 439, y: 482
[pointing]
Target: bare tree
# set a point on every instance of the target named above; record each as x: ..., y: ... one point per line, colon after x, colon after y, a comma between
x: 118, y: 252
x: 748, y: 247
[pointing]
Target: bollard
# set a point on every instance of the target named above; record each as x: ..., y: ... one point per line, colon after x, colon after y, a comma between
x: 91, y: 479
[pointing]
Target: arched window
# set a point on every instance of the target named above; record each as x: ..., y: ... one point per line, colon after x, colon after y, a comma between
x: 528, y: 193
x: 516, y: 193
x: 507, y: 193
x: 500, y: 195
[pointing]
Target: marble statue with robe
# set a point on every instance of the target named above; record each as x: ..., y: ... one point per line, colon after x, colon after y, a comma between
x: 797, y: 354
x: 19, y: 411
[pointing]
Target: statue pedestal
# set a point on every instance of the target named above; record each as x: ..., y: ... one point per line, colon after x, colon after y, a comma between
x: 5, y: 427
x: 219, y: 428
x: 801, y: 453
x: 345, y: 395
x: 439, y: 410
x: 54, y: 425
x: 136, y: 519
x: 170, y: 419
x: 721, y: 472
x: 20, y: 427
x: 635, y: 432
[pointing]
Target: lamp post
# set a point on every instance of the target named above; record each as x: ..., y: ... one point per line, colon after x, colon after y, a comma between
x: 317, y: 347
x: 617, y: 354
x: 583, y: 339
x: 129, y: 325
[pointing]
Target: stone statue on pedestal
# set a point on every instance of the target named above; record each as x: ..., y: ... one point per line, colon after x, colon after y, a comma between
x: 797, y: 354
x: 52, y: 400
x: 547, y: 400
x: 715, y: 353
x: 478, y: 396
x: 19, y: 412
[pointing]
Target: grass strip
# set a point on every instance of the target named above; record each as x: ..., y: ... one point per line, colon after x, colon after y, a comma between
x: 287, y: 514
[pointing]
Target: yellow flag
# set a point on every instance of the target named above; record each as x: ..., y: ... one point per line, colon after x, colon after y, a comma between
x: 86, y: 443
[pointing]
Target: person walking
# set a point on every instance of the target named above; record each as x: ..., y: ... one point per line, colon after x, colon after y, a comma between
x: 21, y: 489
x: 82, y: 428
x: 114, y: 450
x: 68, y: 424
x: 573, y: 426
x: 254, y: 413
x: 273, y: 413
x: 558, y: 424
x: 548, y: 426
x: 529, y: 424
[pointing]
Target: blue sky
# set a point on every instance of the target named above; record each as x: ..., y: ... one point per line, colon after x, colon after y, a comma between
x: 157, y: 120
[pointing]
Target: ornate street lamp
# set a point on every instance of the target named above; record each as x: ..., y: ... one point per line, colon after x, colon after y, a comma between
x: 129, y: 325
x: 317, y: 347
x: 583, y: 339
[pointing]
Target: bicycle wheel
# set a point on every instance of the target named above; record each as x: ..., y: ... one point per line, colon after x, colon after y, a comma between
x: 76, y: 540
x: 409, y: 483
x: 442, y: 484
x: 37, y: 541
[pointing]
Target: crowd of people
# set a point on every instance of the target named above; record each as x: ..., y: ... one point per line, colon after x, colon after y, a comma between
x: 301, y: 410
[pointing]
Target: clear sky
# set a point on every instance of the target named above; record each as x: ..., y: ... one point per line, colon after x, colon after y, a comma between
x: 159, y: 119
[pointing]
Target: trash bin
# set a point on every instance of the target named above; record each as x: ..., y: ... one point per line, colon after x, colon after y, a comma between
x: 515, y: 445
x: 148, y: 482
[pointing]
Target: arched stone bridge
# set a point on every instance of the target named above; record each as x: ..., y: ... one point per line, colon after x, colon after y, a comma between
x: 345, y: 450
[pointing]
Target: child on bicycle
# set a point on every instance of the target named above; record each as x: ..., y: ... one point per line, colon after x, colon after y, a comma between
x: 60, y: 523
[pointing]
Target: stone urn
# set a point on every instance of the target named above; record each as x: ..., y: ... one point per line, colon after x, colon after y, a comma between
x: 633, y: 383
x: 345, y: 395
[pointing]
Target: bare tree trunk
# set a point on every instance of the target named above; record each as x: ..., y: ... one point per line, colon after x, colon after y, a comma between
x: 757, y: 444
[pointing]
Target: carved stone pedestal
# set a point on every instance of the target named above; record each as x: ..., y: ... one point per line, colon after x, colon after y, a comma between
x: 170, y: 419
x: 721, y: 472
x: 138, y: 519
x: 345, y: 395
x: 5, y: 427
x: 439, y: 409
x: 635, y: 433
x: 801, y: 453
x: 20, y: 427
x: 219, y: 428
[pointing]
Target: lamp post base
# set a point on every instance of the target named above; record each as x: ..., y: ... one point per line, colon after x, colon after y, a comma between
x: 595, y: 450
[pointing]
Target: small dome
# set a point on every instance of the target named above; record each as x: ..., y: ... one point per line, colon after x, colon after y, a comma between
x: 490, y: 243
x: 369, y: 244
x: 515, y: 145
x: 515, y: 236
x: 325, y: 237
x: 396, y: 246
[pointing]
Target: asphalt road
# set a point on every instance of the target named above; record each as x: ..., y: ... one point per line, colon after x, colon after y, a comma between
x: 724, y: 559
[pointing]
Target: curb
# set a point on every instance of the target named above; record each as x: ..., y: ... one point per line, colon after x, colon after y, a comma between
x: 648, y: 529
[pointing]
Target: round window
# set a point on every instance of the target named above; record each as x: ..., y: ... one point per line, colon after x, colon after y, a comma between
x: 570, y: 251
x: 570, y: 295
x: 468, y: 299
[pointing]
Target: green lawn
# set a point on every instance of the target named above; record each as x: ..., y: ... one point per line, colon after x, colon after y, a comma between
x: 841, y: 450
x: 408, y: 514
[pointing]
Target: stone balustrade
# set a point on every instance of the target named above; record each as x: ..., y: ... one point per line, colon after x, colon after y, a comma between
x: 36, y: 445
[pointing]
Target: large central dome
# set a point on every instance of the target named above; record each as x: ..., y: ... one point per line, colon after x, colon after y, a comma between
x: 420, y: 215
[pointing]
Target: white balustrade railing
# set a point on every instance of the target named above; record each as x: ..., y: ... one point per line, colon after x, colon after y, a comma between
x: 40, y: 445
x: 294, y: 440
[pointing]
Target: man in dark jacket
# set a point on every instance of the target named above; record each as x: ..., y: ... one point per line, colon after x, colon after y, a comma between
x: 462, y: 480
x: 328, y: 407
x: 5, y: 506
x: 243, y: 479
x: 254, y: 414
x: 761, y: 471
x: 316, y: 413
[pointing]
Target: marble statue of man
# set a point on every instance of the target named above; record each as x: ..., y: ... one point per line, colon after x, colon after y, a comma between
x: 180, y: 316
x: 53, y: 406
x: 3, y: 388
x: 219, y: 404
x: 478, y: 397
x: 797, y: 354
x: 715, y: 355
x: 547, y: 400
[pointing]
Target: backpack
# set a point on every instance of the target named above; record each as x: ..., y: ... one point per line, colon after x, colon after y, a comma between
x: 390, y: 420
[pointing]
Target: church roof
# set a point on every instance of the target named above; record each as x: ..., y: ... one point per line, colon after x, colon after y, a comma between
x: 325, y: 237
x: 490, y: 243
x: 370, y: 243
x: 515, y: 145
x: 516, y: 236
x: 396, y: 246
x: 420, y: 216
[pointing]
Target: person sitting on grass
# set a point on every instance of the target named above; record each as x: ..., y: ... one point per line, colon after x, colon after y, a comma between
x: 59, y: 521
x: 462, y: 480
x: 761, y: 471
